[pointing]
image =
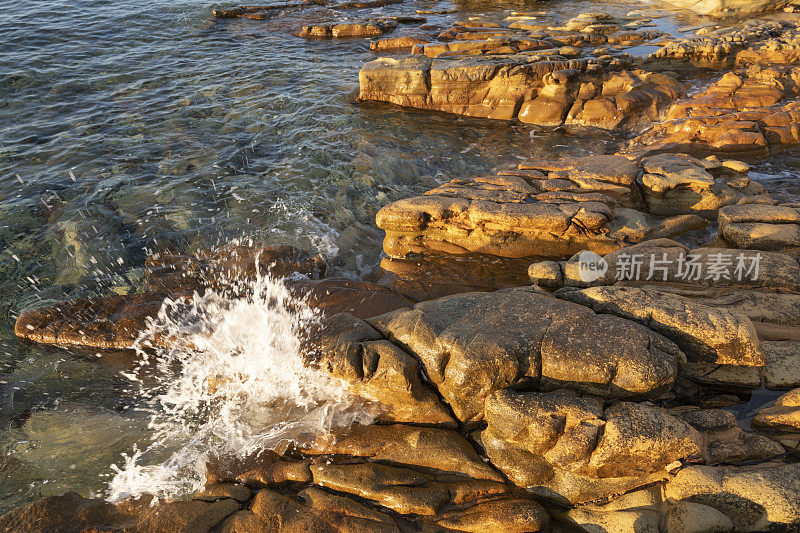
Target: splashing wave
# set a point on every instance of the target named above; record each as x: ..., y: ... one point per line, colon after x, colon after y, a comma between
x: 222, y: 374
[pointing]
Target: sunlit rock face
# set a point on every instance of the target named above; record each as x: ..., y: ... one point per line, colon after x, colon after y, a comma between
x: 728, y: 7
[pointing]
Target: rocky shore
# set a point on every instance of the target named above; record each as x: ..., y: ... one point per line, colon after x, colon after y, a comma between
x: 561, y: 346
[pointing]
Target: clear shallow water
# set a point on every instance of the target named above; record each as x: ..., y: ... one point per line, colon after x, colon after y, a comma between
x: 129, y: 127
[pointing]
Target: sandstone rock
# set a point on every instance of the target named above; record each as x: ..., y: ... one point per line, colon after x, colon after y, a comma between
x: 704, y: 333
x: 428, y: 277
x: 348, y: 29
x: 545, y: 89
x: 283, y: 513
x: 783, y: 417
x: 569, y: 447
x: 726, y: 7
x: 70, y: 512
x: 525, y: 213
x: 783, y: 364
x: 760, y: 227
x: 190, y: 517
x: 664, y: 260
x: 215, y: 492
x: 755, y: 498
x: 689, y: 517
x: 260, y: 469
x: 742, y: 112
x: 395, y: 43
x: 678, y: 183
x: 473, y: 344
x: 432, y: 449
x: 346, y: 513
x: 379, y: 371
x: 508, y: 515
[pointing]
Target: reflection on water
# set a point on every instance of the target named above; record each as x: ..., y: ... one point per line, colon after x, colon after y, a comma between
x: 129, y: 127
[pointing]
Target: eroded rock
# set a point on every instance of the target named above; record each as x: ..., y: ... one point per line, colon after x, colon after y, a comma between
x: 473, y: 344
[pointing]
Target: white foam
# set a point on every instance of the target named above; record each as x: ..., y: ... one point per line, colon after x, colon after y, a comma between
x: 231, y: 380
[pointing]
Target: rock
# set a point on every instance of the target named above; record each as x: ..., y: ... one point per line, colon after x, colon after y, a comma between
x: 689, y: 517
x: 346, y: 513
x: 429, y: 448
x: 260, y: 469
x: 429, y: 277
x: 348, y: 29
x: 234, y: 491
x: 783, y: 417
x: 448, y: 501
x: 473, y: 344
x: 526, y: 213
x: 546, y: 274
x: 378, y: 370
x: 359, y: 298
x: 627, y: 521
x: 106, y: 323
x: 755, y: 499
x: 244, y: 521
x: 760, y: 227
x: 704, y: 333
x: 783, y: 364
x: 727, y: 7
x: 744, y: 112
x: 678, y: 183
x: 283, y: 513
x: 569, y: 447
x: 504, y: 83
x: 509, y: 515
x: 396, y: 43
x: 70, y: 512
x: 190, y: 517
x: 665, y: 260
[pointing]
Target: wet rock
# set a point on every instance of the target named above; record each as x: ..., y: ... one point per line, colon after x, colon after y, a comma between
x: 283, y: 513
x: 106, y: 323
x: 348, y: 29
x: 221, y: 491
x: 704, y: 333
x: 745, y: 112
x: 678, y: 183
x: 429, y: 277
x: 189, y: 517
x: 70, y: 512
x: 395, y: 43
x: 432, y: 449
x: 527, y: 213
x: 473, y: 344
x: 569, y: 447
x: 508, y: 515
x: 537, y: 89
x: 346, y: 513
x: 754, y: 498
x: 257, y: 470
x: 359, y: 298
x: 379, y: 371
x: 440, y: 499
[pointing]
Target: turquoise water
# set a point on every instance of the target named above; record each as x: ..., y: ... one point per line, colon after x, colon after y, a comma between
x: 128, y: 128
